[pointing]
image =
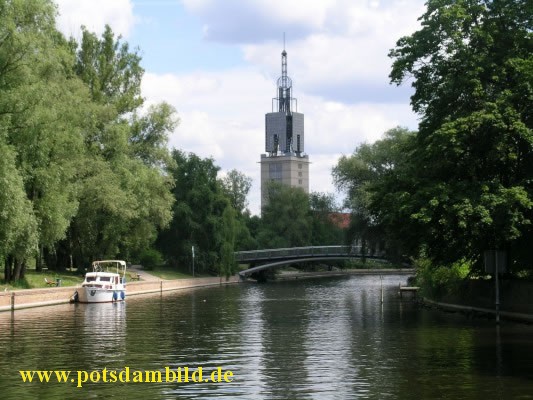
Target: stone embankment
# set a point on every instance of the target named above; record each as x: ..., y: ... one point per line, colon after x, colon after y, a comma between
x: 26, y: 298
x: 477, y: 297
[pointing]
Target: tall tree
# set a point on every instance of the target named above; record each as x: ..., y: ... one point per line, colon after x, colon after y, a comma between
x: 471, y: 67
x: 124, y: 190
x: 379, y: 179
x: 202, y: 217
x: 325, y: 229
x: 285, y: 220
x: 237, y: 185
x: 41, y: 107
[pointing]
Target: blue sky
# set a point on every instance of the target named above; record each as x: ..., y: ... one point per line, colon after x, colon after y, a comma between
x: 217, y: 61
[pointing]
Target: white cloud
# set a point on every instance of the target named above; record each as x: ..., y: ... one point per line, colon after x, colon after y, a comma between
x: 337, y: 60
x: 95, y: 14
x: 245, y: 21
x: 348, y: 58
x: 222, y: 115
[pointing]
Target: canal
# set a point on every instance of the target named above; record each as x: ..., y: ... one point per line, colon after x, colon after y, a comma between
x: 328, y: 338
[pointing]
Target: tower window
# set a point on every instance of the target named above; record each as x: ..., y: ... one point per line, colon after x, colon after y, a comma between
x: 275, y: 171
x: 299, y: 166
x: 299, y: 181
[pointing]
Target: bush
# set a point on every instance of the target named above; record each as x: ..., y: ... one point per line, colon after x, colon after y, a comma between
x: 151, y: 258
x: 438, y: 280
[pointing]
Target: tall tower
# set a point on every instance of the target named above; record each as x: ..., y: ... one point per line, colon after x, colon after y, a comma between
x: 285, y: 160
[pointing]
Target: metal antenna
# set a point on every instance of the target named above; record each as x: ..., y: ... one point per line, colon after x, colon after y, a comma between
x: 284, y: 84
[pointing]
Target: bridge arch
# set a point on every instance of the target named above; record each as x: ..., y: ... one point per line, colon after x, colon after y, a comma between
x: 275, y: 258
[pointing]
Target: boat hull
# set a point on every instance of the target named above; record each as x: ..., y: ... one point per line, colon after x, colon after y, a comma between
x: 99, y: 295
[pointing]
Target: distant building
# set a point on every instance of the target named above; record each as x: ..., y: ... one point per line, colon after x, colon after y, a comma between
x: 340, y: 220
x: 285, y: 160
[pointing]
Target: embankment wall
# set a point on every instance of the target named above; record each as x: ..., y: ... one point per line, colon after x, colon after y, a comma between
x: 26, y: 298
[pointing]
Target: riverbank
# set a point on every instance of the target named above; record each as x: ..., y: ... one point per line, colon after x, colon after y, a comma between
x: 27, y: 298
x: 471, y: 311
x: 476, y: 297
x: 343, y: 272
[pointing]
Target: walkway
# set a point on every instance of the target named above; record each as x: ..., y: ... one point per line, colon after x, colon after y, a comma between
x: 145, y: 276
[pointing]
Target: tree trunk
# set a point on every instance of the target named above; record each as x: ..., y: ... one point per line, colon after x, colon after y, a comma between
x: 8, y: 269
x: 19, y: 265
x: 39, y: 263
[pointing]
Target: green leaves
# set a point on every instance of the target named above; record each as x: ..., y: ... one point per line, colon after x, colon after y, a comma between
x: 203, y: 217
x: 86, y: 173
x: 463, y: 182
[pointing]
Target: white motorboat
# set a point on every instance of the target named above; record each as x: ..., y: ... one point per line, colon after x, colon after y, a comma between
x: 105, y: 283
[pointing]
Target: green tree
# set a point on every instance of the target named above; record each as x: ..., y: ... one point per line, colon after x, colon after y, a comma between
x: 285, y: 220
x: 236, y: 186
x: 471, y: 67
x: 124, y: 193
x: 325, y: 230
x: 380, y: 185
x: 203, y: 217
x: 112, y: 72
x: 18, y: 232
x: 41, y: 117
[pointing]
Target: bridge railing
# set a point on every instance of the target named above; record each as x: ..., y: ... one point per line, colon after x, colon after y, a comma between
x: 294, y: 252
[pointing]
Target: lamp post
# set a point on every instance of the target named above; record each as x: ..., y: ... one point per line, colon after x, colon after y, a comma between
x: 192, y: 261
x: 496, y: 263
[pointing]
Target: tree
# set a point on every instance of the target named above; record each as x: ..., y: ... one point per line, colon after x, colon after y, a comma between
x: 471, y: 67
x: 18, y: 233
x: 124, y: 193
x: 91, y: 165
x: 236, y: 186
x: 202, y: 217
x: 41, y: 108
x: 380, y: 186
x: 111, y: 71
x: 325, y: 231
x: 285, y: 220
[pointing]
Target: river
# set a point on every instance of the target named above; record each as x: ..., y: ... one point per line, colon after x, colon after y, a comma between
x: 328, y: 338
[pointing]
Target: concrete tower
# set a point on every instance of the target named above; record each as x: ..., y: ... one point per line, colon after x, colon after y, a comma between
x: 285, y: 160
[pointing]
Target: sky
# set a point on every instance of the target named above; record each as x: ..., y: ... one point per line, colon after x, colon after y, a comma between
x: 217, y: 63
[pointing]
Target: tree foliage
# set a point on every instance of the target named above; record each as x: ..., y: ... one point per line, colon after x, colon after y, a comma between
x: 83, y: 166
x: 203, y: 217
x: 285, y: 219
x: 462, y: 183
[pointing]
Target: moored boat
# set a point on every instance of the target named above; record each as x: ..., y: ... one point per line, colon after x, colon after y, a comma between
x: 105, y: 283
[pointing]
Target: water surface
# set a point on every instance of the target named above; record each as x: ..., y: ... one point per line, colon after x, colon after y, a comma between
x: 312, y: 339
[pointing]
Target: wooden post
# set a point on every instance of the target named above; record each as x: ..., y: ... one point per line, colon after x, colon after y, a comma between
x: 12, y: 301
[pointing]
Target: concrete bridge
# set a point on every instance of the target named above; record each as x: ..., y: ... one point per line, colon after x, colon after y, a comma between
x: 274, y: 258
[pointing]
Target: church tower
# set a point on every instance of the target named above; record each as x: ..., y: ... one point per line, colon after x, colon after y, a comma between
x: 285, y: 160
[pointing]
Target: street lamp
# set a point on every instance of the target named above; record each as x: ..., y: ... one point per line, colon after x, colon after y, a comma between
x: 193, y: 261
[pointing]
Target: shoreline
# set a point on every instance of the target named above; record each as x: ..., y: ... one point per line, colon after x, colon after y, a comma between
x: 472, y: 311
x: 40, y: 297
x: 29, y: 298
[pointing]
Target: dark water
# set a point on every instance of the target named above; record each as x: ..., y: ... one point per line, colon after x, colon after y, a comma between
x: 314, y: 339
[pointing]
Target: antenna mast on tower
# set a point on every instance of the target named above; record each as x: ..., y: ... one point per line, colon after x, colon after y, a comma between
x: 284, y: 98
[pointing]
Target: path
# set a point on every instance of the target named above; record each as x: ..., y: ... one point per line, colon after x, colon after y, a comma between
x: 145, y: 276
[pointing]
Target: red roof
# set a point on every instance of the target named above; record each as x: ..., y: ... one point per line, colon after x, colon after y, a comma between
x: 342, y: 220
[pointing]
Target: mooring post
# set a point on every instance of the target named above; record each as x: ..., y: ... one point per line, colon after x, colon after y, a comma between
x: 381, y: 279
x: 12, y: 301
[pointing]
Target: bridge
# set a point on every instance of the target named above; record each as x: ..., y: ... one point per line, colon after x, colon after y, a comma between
x: 274, y: 258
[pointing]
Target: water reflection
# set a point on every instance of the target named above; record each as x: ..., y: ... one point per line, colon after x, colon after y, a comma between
x: 316, y: 339
x: 103, y: 331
